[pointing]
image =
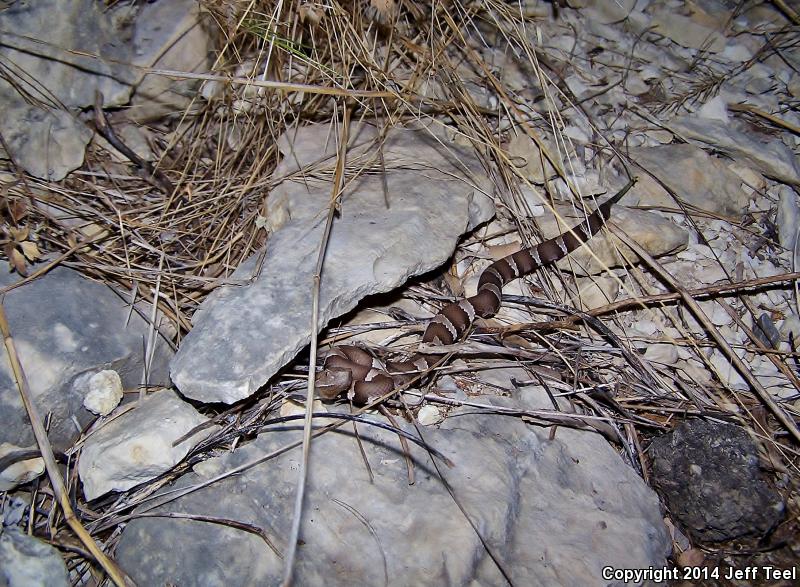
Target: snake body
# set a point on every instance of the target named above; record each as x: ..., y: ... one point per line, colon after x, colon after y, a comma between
x: 353, y: 369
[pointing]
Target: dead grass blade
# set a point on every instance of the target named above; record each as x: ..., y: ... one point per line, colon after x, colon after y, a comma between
x: 282, y: 86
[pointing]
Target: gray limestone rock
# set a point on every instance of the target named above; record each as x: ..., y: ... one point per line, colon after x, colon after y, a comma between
x: 21, y: 471
x: 771, y: 157
x: 64, y: 52
x: 698, y: 178
x: 47, y: 143
x: 183, y: 45
x: 47, y: 140
x: 687, y: 32
x: 606, y: 11
x: 658, y: 235
x: 138, y: 446
x: 37, y: 38
x: 788, y: 218
x: 26, y: 561
x: 63, y: 326
x: 436, y: 191
x: 554, y: 512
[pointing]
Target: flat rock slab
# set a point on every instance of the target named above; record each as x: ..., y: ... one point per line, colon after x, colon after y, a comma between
x: 554, y: 512
x: 767, y: 154
x: 658, y: 235
x: 138, y: 446
x: 698, y: 178
x: 64, y: 326
x: 434, y: 191
x: 49, y: 143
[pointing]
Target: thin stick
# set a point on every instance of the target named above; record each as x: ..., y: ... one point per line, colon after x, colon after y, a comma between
x: 766, y: 116
x: 50, y: 464
x: 275, y: 85
x: 403, y: 443
x: 724, y: 347
x: 789, y: 12
x: 312, y: 359
x: 724, y: 288
x: 643, y: 302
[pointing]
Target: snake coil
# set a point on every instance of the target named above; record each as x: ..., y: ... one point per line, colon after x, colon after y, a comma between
x: 353, y: 369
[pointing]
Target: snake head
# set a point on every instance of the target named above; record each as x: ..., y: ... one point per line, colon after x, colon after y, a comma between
x: 332, y: 382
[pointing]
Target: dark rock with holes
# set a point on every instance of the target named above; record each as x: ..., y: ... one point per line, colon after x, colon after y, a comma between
x: 708, y: 474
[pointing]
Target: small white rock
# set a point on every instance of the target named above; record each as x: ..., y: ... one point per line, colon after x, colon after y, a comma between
x: 695, y: 252
x: 788, y: 217
x: 696, y: 371
x: 791, y: 324
x: 636, y: 85
x: 651, y: 72
x: 211, y: 90
x: 646, y: 327
x: 576, y: 134
x: 737, y: 53
x: 594, y: 292
x: 715, y: 109
x: 663, y: 137
x: 104, y: 392
x: 751, y: 179
x: 793, y: 85
x: 666, y: 354
x: 716, y: 313
x: 290, y: 407
x: 429, y: 415
x: 727, y: 372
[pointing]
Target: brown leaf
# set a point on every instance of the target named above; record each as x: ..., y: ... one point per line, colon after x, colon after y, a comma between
x: 30, y: 250
x: 386, y: 8
x: 516, y: 340
x: 18, y: 210
x: 19, y: 234
x: 693, y: 557
x: 310, y: 14
x: 16, y: 259
x: 454, y: 284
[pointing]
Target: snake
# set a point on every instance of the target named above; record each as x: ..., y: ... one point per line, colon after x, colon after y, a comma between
x: 353, y: 369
